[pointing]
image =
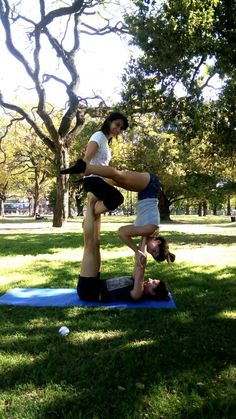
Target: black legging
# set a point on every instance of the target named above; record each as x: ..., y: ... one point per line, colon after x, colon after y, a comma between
x: 105, y: 192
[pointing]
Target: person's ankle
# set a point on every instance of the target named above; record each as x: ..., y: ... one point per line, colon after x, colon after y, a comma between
x: 87, y: 172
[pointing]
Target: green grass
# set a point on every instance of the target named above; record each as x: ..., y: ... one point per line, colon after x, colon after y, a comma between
x: 119, y: 363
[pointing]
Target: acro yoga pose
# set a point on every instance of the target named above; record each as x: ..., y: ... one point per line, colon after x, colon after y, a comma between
x: 148, y: 218
x: 126, y: 288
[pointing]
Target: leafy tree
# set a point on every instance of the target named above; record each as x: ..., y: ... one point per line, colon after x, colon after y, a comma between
x: 7, y: 165
x: 147, y: 148
x: 184, y: 46
x: 32, y: 160
x: 188, y: 170
x: 52, y: 29
x: 25, y: 168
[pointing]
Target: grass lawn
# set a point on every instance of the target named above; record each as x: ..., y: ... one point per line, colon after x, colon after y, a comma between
x: 120, y: 363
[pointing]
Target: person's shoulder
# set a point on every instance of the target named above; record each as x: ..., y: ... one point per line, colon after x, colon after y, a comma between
x: 97, y: 136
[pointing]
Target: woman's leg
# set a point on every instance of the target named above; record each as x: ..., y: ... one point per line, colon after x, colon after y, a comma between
x: 100, y: 208
x: 90, y: 265
x: 97, y: 230
x: 132, y: 181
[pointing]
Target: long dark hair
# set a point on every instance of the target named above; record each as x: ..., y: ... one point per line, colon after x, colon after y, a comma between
x: 105, y: 128
x: 161, y: 293
x: 164, y: 253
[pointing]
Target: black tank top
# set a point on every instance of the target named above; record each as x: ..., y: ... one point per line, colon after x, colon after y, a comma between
x: 117, y: 289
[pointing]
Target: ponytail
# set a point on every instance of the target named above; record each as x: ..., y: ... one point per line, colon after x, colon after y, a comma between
x: 170, y: 257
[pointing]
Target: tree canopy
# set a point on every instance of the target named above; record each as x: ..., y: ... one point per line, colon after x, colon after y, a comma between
x: 52, y: 30
x: 186, y: 69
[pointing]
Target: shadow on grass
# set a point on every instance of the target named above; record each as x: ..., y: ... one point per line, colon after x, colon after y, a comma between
x: 24, y: 220
x: 126, y: 363
x: 118, y: 362
x: 181, y: 238
x: 34, y: 244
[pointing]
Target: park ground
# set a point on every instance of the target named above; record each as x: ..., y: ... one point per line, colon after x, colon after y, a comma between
x: 120, y: 363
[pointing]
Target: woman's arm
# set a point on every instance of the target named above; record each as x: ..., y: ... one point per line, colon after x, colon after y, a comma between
x: 91, y: 150
x: 138, y: 273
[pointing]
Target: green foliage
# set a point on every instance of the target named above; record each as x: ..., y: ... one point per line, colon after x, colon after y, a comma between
x: 79, y: 146
x: 184, y: 44
x: 27, y: 166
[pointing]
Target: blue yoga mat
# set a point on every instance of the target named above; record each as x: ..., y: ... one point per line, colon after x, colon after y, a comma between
x: 65, y: 297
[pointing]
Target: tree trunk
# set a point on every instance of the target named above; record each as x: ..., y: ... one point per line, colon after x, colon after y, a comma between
x: 2, y: 213
x: 36, y: 194
x: 60, y: 214
x: 79, y: 207
x: 79, y: 204
x: 187, y: 209
x: 70, y: 212
x: 199, y: 211
x: 164, y: 207
x: 214, y: 209
x: 228, y: 205
x: 30, y: 205
x: 204, y: 204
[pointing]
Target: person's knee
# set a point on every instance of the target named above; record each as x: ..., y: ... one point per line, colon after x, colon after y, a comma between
x: 92, y: 199
x: 120, y: 232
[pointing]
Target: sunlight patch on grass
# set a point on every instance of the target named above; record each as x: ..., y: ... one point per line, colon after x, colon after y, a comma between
x: 65, y: 255
x: 229, y: 374
x: 139, y: 343
x: 208, y: 255
x: 32, y: 269
x: 98, y: 335
x: 111, y: 254
x: 18, y: 279
x: 7, y: 362
x: 195, y: 219
x: 170, y: 402
x: 227, y: 314
x: 39, y: 397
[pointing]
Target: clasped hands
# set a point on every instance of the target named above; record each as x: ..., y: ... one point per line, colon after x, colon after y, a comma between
x: 141, y: 258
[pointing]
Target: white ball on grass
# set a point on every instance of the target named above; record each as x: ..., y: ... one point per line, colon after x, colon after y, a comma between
x: 64, y: 331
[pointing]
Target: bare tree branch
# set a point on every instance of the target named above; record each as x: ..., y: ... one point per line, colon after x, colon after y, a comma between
x: 68, y: 58
x: 57, y: 139
x: 46, y: 77
x: 8, y: 126
x: 76, y: 7
x: 207, y: 82
x: 4, y: 15
x: 196, y: 69
x: 31, y: 122
x: 119, y: 28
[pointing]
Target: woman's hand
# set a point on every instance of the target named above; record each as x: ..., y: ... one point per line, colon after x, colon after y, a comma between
x: 141, y: 258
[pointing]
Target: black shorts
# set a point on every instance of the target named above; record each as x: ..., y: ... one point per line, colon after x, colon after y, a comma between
x: 105, y: 192
x: 89, y: 288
